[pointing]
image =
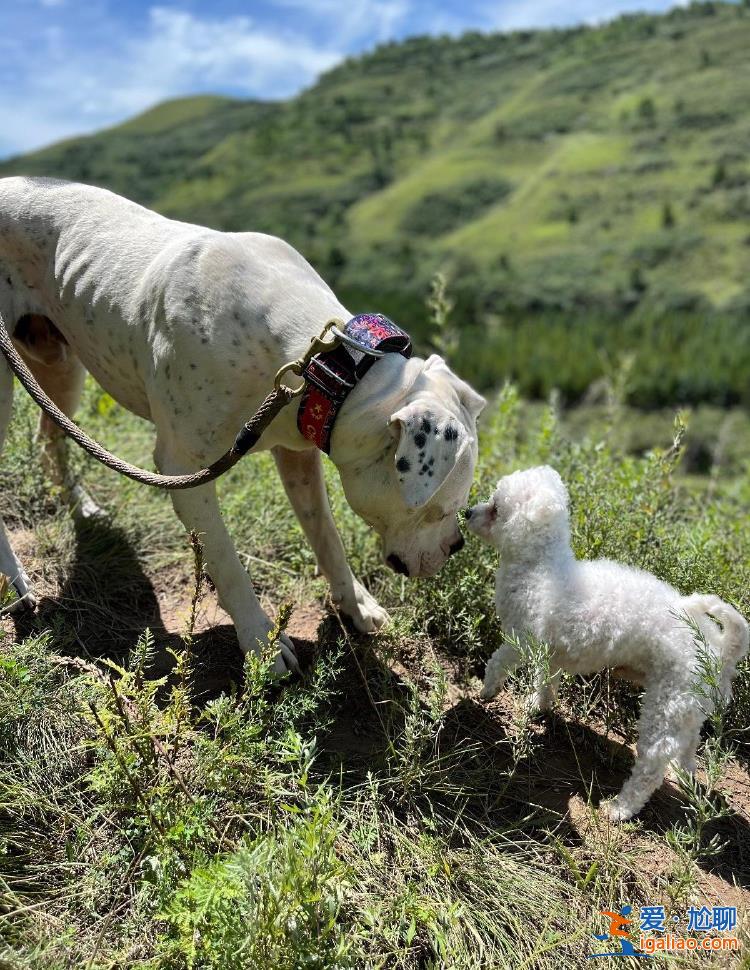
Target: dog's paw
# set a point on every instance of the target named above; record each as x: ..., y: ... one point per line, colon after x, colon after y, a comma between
x: 27, y: 602
x: 489, y: 690
x: 616, y: 811
x: 83, y: 507
x: 285, y: 661
x: 540, y: 702
x: 361, y: 608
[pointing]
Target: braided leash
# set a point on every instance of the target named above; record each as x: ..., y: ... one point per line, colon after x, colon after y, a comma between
x: 279, y: 397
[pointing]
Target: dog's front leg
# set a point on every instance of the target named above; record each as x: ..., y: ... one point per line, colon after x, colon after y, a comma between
x: 198, y: 510
x: 546, y: 686
x: 302, y: 475
x: 500, y: 666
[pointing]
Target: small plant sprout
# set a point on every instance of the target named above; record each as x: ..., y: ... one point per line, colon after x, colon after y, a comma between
x: 258, y: 667
x: 618, y: 380
x: 198, y: 577
x: 444, y: 336
x: 548, y: 427
x: 584, y: 877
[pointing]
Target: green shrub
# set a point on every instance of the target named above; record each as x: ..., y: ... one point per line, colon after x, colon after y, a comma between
x: 440, y: 212
x: 273, y: 902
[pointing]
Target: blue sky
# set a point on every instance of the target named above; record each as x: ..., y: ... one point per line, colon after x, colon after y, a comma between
x: 72, y: 66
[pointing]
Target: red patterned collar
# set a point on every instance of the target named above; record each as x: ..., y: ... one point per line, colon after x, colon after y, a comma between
x: 331, y: 376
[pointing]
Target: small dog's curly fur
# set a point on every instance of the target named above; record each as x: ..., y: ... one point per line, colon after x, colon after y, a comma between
x: 600, y: 614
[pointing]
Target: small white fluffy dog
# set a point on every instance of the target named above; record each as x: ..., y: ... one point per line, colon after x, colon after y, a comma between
x: 600, y: 614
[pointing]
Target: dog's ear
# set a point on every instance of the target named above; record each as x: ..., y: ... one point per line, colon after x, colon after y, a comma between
x: 473, y: 402
x: 430, y: 443
x: 544, y: 506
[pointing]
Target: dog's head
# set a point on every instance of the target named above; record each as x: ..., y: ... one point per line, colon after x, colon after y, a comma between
x: 528, y: 510
x: 408, y: 476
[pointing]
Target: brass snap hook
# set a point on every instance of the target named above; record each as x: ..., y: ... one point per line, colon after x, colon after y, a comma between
x: 317, y: 346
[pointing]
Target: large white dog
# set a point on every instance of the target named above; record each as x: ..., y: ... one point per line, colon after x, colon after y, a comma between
x: 600, y: 614
x: 186, y: 326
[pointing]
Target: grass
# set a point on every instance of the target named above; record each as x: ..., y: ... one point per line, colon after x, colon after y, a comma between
x: 164, y: 805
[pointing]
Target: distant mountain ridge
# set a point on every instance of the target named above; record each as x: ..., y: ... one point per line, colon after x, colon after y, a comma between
x: 598, y: 171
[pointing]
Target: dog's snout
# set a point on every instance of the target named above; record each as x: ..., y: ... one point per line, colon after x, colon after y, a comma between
x: 457, y: 546
x: 397, y: 565
x: 468, y: 513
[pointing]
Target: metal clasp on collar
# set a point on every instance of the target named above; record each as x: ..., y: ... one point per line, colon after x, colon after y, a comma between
x: 317, y: 345
x: 344, y: 338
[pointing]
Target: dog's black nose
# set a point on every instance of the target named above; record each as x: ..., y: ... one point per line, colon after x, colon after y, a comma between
x: 397, y: 565
x: 467, y: 513
x: 457, y: 546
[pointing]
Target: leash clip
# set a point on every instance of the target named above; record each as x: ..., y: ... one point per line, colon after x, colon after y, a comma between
x: 318, y: 345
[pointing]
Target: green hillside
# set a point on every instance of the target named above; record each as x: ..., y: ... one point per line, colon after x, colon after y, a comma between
x: 584, y: 190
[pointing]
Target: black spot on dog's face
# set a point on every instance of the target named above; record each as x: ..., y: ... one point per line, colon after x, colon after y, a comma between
x: 403, y: 464
x: 426, y: 426
x: 420, y: 440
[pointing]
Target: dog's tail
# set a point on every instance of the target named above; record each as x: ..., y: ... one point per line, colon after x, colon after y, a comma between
x: 725, y: 629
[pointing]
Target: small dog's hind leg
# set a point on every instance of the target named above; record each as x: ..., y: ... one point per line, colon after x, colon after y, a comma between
x: 500, y: 666
x: 9, y: 563
x: 685, y: 760
x: 687, y: 755
x: 658, y: 745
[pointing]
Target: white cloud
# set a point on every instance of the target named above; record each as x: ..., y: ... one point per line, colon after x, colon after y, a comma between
x: 355, y: 20
x: 178, y: 53
x: 233, y: 52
